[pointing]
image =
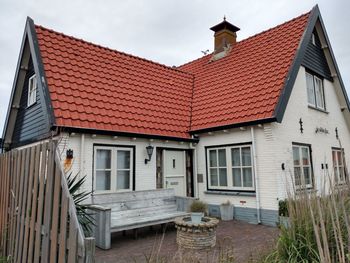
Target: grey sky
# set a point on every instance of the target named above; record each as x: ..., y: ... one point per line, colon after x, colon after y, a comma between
x: 169, y: 32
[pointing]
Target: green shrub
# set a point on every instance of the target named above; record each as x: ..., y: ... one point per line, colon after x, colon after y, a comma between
x: 198, y: 206
x: 283, y: 208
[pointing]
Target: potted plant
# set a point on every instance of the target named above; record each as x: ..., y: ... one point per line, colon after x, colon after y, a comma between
x: 226, y: 211
x: 198, y: 209
x: 283, y: 213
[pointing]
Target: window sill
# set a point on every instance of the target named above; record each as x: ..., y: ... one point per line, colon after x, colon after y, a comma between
x: 317, y: 109
x: 31, y: 105
x: 236, y: 193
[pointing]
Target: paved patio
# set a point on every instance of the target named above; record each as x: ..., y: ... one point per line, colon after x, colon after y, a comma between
x: 241, y: 240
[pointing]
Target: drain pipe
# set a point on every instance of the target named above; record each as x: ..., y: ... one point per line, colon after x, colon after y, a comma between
x: 256, y: 175
x: 195, y: 183
x: 82, y: 155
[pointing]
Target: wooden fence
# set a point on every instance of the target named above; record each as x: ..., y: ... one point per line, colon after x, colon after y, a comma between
x: 38, y: 220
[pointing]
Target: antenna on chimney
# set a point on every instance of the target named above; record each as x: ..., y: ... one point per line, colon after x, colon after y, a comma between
x: 205, y: 52
x: 224, y: 18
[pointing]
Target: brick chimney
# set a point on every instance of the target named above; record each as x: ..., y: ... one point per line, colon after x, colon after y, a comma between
x: 225, y: 35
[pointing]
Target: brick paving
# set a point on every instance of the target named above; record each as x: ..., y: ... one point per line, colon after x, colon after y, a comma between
x: 245, y: 241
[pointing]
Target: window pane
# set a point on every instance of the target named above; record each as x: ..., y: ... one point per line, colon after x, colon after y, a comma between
x: 247, y: 177
x: 246, y: 156
x: 214, y: 177
x: 123, y: 179
x: 235, y: 155
x: 297, y: 175
x: 103, y: 180
x: 307, y: 175
x: 334, y: 155
x: 223, y: 176
x: 319, y: 93
x: 296, y: 156
x: 305, y: 155
x: 310, y: 89
x: 222, y: 158
x: 123, y: 159
x: 103, y: 159
x: 237, y: 181
x: 340, y: 158
x: 336, y: 175
x: 341, y: 174
x: 212, y: 158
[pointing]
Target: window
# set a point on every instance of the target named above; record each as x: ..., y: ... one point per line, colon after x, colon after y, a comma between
x: 113, y: 168
x: 315, y: 92
x: 32, y: 88
x: 242, y: 169
x: 230, y: 168
x: 218, y: 167
x: 338, y: 165
x: 313, y: 39
x: 302, y: 166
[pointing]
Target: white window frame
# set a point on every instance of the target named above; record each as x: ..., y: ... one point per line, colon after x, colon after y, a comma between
x: 217, y: 167
x: 337, y: 167
x: 229, y: 169
x: 313, y: 39
x: 302, y: 166
x: 32, y: 90
x: 114, y: 150
x: 314, y: 79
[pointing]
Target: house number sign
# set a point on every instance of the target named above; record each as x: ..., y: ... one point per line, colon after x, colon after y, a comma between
x: 321, y: 130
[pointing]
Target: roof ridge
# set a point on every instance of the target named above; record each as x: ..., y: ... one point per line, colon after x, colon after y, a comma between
x: 113, y: 50
x: 250, y: 37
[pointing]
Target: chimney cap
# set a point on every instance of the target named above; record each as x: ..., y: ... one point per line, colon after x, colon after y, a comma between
x: 224, y: 25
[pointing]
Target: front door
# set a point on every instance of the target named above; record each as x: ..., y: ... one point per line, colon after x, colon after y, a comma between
x: 174, y: 163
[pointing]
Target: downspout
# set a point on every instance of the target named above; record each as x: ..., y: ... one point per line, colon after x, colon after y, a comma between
x: 82, y: 155
x: 256, y: 176
x: 195, y: 183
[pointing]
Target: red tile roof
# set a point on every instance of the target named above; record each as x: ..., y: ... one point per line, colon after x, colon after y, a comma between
x: 245, y: 85
x: 93, y: 87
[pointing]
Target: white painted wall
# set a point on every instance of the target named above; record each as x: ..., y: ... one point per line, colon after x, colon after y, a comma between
x: 289, y: 130
x: 145, y: 173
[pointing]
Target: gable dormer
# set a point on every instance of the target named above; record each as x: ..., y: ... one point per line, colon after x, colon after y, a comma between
x: 315, y: 59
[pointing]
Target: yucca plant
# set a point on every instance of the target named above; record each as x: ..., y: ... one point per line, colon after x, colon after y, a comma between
x: 84, y: 217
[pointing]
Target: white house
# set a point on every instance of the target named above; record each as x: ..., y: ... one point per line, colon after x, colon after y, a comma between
x: 237, y: 124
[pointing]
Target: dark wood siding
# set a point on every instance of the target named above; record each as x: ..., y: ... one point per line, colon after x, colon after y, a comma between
x: 315, y: 59
x: 32, y: 123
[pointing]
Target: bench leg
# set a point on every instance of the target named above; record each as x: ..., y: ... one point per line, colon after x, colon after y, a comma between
x: 163, y: 226
x: 135, y: 233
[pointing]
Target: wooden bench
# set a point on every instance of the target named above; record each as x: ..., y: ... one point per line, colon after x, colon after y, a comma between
x: 131, y: 210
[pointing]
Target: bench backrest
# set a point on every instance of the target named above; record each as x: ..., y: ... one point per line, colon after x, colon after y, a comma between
x: 136, y: 199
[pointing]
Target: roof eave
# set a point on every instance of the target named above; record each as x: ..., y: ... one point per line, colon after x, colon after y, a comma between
x: 125, y: 134
x: 234, y: 125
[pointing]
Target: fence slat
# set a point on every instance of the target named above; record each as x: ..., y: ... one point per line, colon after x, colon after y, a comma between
x: 7, y: 196
x: 39, y: 215
x: 23, y: 202
x: 45, y: 250
x: 63, y: 229
x: 29, y: 204
x: 2, y: 197
x: 55, y: 215
x: 19, y: 203
x: 15, y: 160
x: 34, y: 203
x: 72, y: 242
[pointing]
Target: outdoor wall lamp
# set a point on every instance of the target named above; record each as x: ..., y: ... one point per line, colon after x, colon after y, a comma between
x: 69, y: 154
x: 149, y: 150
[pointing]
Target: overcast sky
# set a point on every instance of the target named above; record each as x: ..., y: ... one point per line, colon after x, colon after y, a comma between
x: 169, y: 32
